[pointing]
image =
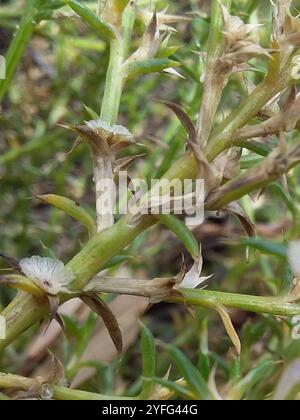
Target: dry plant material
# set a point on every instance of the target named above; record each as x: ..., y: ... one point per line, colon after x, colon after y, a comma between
x: 110, y: 321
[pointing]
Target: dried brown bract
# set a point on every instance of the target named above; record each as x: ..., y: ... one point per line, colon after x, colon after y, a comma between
x: 240, y: 44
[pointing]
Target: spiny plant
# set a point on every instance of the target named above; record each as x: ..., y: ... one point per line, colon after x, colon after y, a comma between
x: 258, y: 62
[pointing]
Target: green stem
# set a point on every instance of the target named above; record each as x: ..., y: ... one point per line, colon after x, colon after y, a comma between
x: 20, y: 314
x: 110, y: 110
x: 61, y: 393
x: 208, y: 298
x: 20, y: 383
x: 114, y: 84
x: 256, y: 304
x: 115, y: 77
x: 8, y: 381
x: 97, y: 253
x: 18, y: 45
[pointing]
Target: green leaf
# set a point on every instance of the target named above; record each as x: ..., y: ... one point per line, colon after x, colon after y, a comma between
x: 287, y: 198
x: 182, y: 232
x: 54, y: 4
x: 72, y: 209
x: 148, y: 353
x: 154, y: 65
x: 192, y: 376
x: 19, y: 44
x: 235, y: 369
x: 176, y: 145
x: 173, y: 386
x: 30, y: 147
x: 286, y: 281
x: 91, y: 113
x: 86, y: 43
x: 103, y: 28
x: 266, y: 247
x: 46, y: 8
x: 248, y: 162
x: 252, y: 333
x: 204, y: 364
x: 262, y: 371
x: 71, y: 326
x: 166, y: 52
x: 117, y: 260
x: 86, y: 332
x: 256, y: 147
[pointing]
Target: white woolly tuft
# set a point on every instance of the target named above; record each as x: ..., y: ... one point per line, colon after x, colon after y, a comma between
x: 48, y: 273
x: 116, y: 130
